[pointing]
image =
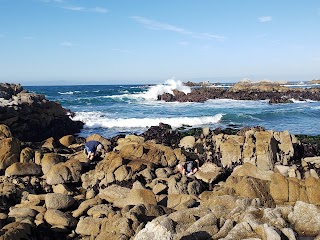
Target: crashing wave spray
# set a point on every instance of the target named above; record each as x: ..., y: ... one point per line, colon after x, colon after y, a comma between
x: 167, y: 87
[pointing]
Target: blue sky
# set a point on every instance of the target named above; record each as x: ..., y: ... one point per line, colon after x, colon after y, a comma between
x: 48, y: 42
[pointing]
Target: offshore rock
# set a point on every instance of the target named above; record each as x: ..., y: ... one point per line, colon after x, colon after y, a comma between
x: 275, y: 92
x: 31, y: 117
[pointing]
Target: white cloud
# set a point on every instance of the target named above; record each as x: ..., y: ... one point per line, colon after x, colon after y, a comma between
x: 212, y: 36
x: 121, y: 50
x: 155, y: 25
x: 83, y: 9
x: 74, y: 8
x: 67, y: 44
x: 265, y: 19
x: 151, y: 24
x: 99, y: 10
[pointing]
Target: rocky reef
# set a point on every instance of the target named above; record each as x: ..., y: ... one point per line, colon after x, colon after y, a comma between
x: 275, y: 93
x: 31, y: 117
x: 252, y: 184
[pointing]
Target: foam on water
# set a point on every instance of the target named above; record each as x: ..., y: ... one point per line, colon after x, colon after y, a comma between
x: 99, y: 120
x: 66, y: 93
x: 170, y: 85
x: 152, y: 92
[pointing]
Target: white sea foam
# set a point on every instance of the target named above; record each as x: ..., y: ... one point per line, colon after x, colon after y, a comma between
x: 154, y: 91
x: 170, y: 85
x: 302, y: 101
x: 97, y: 120
x: 66, y: 93
x: 69, y: 92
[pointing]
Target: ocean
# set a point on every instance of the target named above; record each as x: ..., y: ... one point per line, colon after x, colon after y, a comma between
x: 110, y: 110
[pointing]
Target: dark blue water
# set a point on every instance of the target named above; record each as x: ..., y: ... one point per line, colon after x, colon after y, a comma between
x: 113, y: 109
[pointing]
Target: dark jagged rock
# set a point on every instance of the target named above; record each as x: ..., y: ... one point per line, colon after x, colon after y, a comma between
x: 31, y: 117
x: 280, y: 100
x: 243, y: 91
x: 310, y: 145
x: 162, y: 134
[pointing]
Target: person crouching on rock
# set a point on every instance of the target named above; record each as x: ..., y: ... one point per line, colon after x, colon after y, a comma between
x: 92, y: 149
x: 188, y: 168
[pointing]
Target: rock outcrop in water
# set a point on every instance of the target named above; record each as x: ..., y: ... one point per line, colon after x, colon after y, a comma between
x: 275, y: 93
x: 251, y: 184
x: 31, y: 117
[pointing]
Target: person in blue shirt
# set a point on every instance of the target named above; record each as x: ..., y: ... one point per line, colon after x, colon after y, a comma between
x: 188, y: 168
x: 92, y: 148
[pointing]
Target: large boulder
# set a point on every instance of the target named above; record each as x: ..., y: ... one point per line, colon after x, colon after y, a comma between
x: 57, y: 218
x: 229, y: 147
x: 58, y: 201
x: 23, y: 169
x: 9, y: 152
x: 159, y: 228
x: 89, y: 226
x: 305, y: 219
x: 49, y: 160
x: 137, y: 196
x: 65, y: 172
x: 266, y: 149
x: 208, y: 172
x: 5, y: 132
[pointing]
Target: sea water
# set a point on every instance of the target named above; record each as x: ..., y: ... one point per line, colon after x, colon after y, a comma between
x: 110, y: 110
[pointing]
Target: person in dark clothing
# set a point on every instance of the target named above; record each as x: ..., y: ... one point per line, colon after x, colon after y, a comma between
x: 92, y: 148
x: 188, y: 168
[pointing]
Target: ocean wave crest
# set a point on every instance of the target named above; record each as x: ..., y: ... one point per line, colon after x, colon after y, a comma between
x: 152, y: 92
x: 98, y: 120
x: 168, y: 87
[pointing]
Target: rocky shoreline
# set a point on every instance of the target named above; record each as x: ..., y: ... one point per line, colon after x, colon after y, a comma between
x: 31, y: 117
x: 252, y: 183
x: 274, y: 92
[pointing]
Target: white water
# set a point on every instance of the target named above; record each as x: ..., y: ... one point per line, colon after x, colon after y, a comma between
x: 168, y: 87
x: 97, y: 120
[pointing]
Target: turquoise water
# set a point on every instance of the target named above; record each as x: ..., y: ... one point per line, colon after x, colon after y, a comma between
x: 112, y: 109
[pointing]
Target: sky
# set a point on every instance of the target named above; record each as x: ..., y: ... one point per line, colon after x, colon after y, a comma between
x: 65, y: 42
